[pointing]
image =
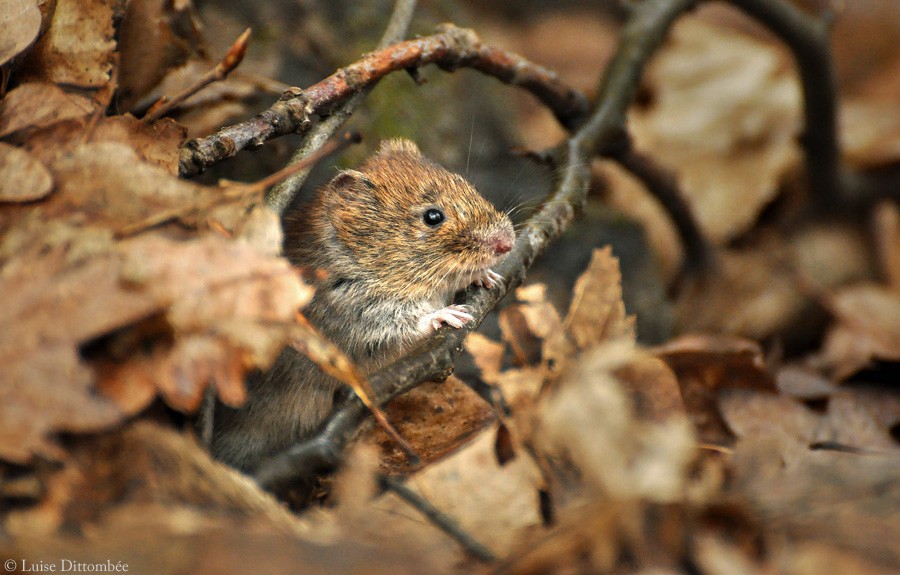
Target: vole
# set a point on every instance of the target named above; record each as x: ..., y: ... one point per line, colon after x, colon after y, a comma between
x: 386, y: 246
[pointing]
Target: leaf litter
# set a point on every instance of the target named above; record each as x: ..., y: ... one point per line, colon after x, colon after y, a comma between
x: 128, y: 293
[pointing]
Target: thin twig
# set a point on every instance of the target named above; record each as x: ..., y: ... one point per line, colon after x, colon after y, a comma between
x: 640, y: 38
x: 698, y: 254
x: 438, y: 518
x: 450, y: 48
x: 331, y: 147
x: 232, y: 191
x: 232, y: 59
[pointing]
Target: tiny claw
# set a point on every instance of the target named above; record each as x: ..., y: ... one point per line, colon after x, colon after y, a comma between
x: 453, y: 315
x: 488, y: 279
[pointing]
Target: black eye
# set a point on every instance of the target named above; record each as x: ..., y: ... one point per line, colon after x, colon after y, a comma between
x: 433, y: 217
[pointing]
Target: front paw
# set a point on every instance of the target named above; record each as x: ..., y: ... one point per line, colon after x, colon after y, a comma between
x: 487, y: 278
x: 455, y: 315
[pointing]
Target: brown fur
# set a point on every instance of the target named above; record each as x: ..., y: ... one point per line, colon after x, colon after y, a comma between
x: 378, y: 269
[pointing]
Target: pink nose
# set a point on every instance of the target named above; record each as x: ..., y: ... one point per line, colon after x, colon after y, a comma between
x: 502, y: 244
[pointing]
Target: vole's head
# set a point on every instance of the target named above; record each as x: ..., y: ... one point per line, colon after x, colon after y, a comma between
x: 417, y: 228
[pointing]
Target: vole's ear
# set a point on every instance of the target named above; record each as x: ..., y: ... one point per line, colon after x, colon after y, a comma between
x: 399, y: 145
x: 347, y: 185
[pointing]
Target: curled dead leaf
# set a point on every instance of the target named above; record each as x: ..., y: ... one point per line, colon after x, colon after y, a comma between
x: 36, y: 104
x: 20, y: 23
x: 597, y: 312
x: 493, y: 503
x: 22, y: 177
x: 488, y: 356
x: 154, y: 37
x: 590, y: 418
x: 868, y: 328
x: 706, y: 365
x: 78, y: 47
x: 725, y: 113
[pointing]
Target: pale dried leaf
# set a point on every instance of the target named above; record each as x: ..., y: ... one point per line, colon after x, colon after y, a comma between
x: 842, y: 500
x: 803, y: 383
x: 653, y: 389
x: 591, y: 419
x: 155, y: 143
x: 870, y: 133
x: 887, y: 235
x: 194, y: 362
x: 533, y: 328
x: 77, y: 49
x: 597, y: 312
x: 46, y: 392
x: 22, y: 177
x: 751, y: 414
x: 492, y: 503
x: 850, y: 422
x: 868, y: 328
x: 716, y: 554
x: 757, y: 291
x: 130, y: 191
x: 226, y: 307
x: 20, y: 22
x: 706, y: 365
x: 36, y: 104
x: 488, y: 356
x: 725, y: 115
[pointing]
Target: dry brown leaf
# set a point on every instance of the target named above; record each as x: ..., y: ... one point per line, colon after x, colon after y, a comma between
x: 870, y: 133
x: 155, y: 36
x: 47, y: 391
x: 77, y: 49
x: 652, y: 388
x: 232, y: 306
x: 533, y: 329
x: 145, y: 462
x: 845, y: 501
x: 850, y: 423
x: 154, y: 143
x: 225, y: 307
x: 494, y: 504
x: 20, y: 22
x: 22, y: 177
x: 153, y: 538
x: 752, y: 414
x: 725, y: 115
x: 868, y: 328
x: 109, y: 184
x: 36, y: 104
x: 49, y: 309
x: 758, y: 291
x: 436, y: 419
x: 597, y: 312
x: 803, y: 383
x: 488, y: 356
x: 706, y: 365
x: 887, y: 236
x: 590, y: 418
